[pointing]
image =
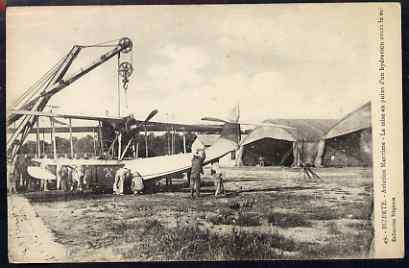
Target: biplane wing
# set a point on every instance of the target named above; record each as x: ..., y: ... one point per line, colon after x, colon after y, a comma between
x: 67, y: 116
x: 133, y: 123
x: 162, y: 166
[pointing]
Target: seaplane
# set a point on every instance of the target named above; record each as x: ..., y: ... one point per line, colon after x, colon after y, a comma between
x: 101, y: 171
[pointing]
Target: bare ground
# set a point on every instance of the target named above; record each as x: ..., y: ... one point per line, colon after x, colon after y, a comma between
x: 267, y: 213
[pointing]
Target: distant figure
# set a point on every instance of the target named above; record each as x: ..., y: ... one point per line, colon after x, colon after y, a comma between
x: 168, y: 181
x: 121, y: 175
x: 261, y: 161
x: 197, y: 169
x: 218, y: 176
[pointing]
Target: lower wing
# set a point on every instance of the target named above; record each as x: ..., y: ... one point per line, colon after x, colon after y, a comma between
x: 163, y: 166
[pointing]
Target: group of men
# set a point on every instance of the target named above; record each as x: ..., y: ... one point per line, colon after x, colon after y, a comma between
x: 125, y: 181
x: 18, y: 177
x: 72, y: 179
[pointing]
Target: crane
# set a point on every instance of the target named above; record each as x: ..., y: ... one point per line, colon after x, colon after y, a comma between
x: 36, y: 97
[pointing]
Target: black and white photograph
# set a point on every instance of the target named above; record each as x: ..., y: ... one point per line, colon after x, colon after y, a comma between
x: 204, y: 132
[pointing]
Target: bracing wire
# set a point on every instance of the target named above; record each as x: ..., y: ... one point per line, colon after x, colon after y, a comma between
x: 102, y: 44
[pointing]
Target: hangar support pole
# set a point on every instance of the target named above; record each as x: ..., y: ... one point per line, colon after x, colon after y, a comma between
x: 71, y: 144
x: 38, y: 138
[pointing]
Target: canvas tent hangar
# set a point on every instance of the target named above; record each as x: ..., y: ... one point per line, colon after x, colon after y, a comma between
x: 349, y: 141
x: 284, y: 147
x: 318, y: 142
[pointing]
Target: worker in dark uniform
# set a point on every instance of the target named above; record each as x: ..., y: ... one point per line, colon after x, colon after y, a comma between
x: 26, y: 176
x: 197, y: 169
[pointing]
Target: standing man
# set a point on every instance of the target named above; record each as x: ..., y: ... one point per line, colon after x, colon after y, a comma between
x: 218, y: 178
x: 197, y: 169
x: 44, y: 182
x: 26, y: 177
x: 121, y: 175
x: 11, y: 178
x: 261, y: 161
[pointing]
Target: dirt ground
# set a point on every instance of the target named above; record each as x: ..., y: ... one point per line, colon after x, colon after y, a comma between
x: 267, y: 213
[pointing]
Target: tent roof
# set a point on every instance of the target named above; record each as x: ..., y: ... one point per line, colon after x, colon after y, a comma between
x: 356, y: 120
x: 304, y: 129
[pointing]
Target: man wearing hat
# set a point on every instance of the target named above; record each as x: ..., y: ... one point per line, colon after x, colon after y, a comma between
x: 197, y: 169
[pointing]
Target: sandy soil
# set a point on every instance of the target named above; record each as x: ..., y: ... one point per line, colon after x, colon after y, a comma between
x: 266, y: 213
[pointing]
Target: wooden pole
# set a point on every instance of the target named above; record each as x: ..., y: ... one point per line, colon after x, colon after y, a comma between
x: 146, y: 143
x: 94, y: 142
x: 119, y: 145
x: 53, y: 139
x: 38, y: 138
x: 173, y: 141
x: 43, y: 141
x: 184, y: 143
x: 71, y: 143
x: 101, y: 138
x: 137, y: 150
x: 168, y: 140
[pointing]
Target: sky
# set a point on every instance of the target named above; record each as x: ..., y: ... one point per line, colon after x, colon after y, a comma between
x: 275, y: 61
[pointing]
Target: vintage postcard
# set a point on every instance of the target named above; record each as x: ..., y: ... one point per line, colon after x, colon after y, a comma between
x: 204, y: 132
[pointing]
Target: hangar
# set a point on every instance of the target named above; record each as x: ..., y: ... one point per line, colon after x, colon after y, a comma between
x: 284, y: 147
x: 349, y: 141
x: 318, y: 142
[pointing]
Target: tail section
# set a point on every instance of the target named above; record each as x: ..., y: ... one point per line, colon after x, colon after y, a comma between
x: 232, y: 132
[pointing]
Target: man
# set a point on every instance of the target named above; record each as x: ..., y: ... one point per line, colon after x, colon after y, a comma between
x: 137, y: 185
x: 26, y: 176
x: 121, y: 175
x: 11, y: 178
x: 197, y: 169
x: 43, y: 185
x: 77, y: 177
x: 261, y: 161
x: 218, y: 178
x: 20, y: 167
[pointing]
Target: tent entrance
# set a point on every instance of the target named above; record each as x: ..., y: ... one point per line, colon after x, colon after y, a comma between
x: 354, y: 149
x: 274, y: 152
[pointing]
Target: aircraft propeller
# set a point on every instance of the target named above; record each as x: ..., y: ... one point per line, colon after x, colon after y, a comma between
x: 147, y: 119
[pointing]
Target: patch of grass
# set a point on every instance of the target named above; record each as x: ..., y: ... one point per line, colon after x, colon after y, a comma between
x: 242, y: 219
x: 343, y: 244
x: 347, y: 210
x: 248, y: 219
x: 189, y: 242
x: 222, y: 219
x: 287, y: 220
x: 333, y: 229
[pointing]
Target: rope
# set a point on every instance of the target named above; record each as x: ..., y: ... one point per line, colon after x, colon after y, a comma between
x: 102, y: 44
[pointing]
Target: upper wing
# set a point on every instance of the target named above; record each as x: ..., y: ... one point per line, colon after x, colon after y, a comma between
x: 73, y: 116
x: 160, y: 126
